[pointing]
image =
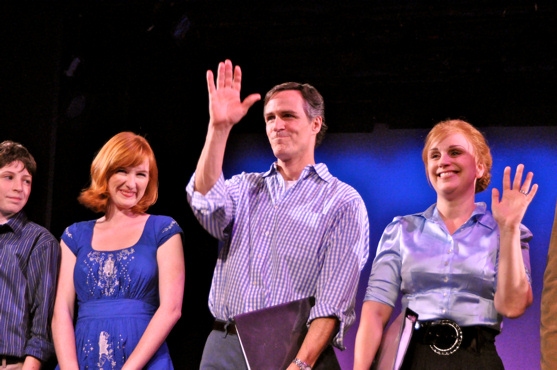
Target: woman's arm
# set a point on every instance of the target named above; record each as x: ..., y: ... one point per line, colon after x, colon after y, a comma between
x: 170, y: 260
x: 373, y: 319
x: 62, y: 318
x: 513, y: 293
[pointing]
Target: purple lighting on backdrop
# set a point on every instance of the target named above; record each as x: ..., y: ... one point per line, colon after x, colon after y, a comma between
x: 385, y: 167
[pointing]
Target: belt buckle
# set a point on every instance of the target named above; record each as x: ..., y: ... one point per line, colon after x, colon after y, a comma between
x: 447, y: 348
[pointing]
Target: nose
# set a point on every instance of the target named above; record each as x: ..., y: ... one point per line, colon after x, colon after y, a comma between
x: 130, y: 181
x: 279, y: 124
x: 443, y: 160
x: 18, y: 185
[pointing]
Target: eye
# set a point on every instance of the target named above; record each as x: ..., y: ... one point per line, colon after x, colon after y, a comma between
x: 455, y: 152
x: 121, y: 170
x: 434, y: 155
x: 142, y: 174
x: 28, y: 181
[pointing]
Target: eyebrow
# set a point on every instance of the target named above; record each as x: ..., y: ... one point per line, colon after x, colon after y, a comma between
x: 450, y: 147
x: 280, y: 111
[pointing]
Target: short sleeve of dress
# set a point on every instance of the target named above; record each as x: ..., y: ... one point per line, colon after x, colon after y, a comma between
x: 70, y: 236
x: 165, y: 228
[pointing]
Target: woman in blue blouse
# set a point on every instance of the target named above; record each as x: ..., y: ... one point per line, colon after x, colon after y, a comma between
x: 455, y: 262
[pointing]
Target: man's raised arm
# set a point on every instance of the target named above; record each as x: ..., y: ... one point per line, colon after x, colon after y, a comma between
x: 225, y: 110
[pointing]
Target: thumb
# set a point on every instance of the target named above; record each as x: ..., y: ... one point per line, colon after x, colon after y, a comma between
x: 250, y: 100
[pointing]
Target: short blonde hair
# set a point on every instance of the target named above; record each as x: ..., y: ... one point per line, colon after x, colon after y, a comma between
x: 475, y: 137
x: 125, y: 149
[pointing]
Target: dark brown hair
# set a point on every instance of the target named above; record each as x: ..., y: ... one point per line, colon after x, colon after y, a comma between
x: 314, y: 106
x: 10, y: 152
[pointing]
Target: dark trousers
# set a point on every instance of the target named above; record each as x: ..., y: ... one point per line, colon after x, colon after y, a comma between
x: 222, y: 352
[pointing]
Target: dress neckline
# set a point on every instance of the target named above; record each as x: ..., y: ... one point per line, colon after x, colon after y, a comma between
x: 93, y: 222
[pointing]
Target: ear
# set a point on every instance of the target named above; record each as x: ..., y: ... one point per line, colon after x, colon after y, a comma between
x: 480, y: 170
x: 316, y: 124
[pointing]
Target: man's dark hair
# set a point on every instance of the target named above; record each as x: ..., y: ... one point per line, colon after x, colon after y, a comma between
x: 314, y: 106
x: 10, y: 152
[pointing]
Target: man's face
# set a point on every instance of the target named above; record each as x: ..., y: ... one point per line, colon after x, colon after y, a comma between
x: 15, y: 188
x: 290, y: 131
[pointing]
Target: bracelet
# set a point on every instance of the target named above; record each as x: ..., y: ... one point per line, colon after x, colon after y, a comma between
x: 301, y: 364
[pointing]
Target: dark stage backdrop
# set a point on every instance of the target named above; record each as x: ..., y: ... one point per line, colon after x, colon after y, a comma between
x: 385, y: 167
x: 404, y: 63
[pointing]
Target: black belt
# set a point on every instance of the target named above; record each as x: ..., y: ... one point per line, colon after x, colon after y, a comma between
x: 11, y: 360
x: 445, y: 337
x: 225, y: 326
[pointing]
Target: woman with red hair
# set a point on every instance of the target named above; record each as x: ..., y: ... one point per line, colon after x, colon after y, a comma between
x: 126, y: 268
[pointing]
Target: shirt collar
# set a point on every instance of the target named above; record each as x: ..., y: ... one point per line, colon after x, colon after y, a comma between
x: 320, y: 169
x: 17, y: 222
x: 480, y: 215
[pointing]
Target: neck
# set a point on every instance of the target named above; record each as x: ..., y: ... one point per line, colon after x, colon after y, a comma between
x: 455, y: 212
x: 291, y: 171
x: 116, y: 215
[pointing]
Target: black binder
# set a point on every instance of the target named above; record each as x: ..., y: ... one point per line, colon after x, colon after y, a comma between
x: 271, y: 337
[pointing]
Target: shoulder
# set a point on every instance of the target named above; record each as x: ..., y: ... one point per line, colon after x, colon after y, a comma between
x: 81, y: 225
x: 341, y: 189
x: 75, y: 230
x: 39, y: 231
x: 41, y: 238
x: 247, y: 178
x: 408, y: 222
x: 164, y: 225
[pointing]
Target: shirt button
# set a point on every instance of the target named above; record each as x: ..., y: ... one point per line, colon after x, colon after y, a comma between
x: 445, y: 279
x: 446, y: 263
x: 444, y: 310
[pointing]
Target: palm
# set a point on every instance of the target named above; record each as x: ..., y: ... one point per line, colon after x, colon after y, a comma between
x: 509, y: 207
x: 225, y: 106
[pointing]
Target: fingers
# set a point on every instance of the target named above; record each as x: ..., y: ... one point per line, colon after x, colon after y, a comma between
x: 518, y: 177
x: 507, y: 178
x: 237, y: 78
x: 221, y: 75
x: 532, y: 192
x: 227, y: 76
x: 525, y: 188
x: 494, y: 196
x: 210, y: 82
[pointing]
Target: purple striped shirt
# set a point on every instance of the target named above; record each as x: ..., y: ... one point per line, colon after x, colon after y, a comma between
x: 279, y: 245
x: 29, y: 260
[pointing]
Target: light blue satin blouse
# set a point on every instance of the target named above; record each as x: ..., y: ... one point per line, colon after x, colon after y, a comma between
x: 442, y: 275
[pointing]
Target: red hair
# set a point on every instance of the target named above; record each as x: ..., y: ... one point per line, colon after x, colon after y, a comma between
x: 125, y: 149
x: 475, y: 137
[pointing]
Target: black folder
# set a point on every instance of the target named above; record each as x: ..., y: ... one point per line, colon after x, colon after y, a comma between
x: 271, y: 337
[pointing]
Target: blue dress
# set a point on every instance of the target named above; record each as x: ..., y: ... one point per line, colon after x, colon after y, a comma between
x: 117, y: 294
